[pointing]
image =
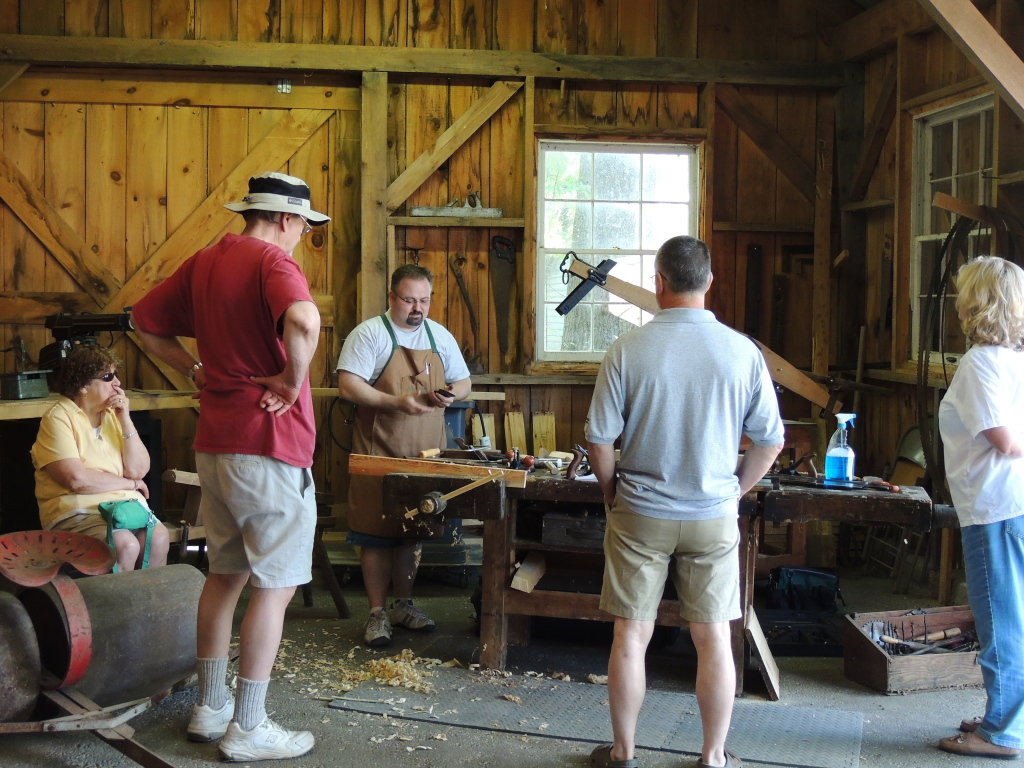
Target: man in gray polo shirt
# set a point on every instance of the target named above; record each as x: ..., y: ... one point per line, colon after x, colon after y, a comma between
x: 679, y: 391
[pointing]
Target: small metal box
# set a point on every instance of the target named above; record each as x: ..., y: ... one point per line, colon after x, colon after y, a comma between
x: 23, y: 386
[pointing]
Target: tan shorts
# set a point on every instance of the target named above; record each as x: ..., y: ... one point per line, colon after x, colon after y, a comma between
x: 260, y: 516
x: 88, y: 523
x: 85, y: 523
x: 704, y: 555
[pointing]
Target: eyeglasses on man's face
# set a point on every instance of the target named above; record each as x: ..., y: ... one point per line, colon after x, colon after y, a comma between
x: 108, y: 377
x: 306, y: 226
x: 409, y: 301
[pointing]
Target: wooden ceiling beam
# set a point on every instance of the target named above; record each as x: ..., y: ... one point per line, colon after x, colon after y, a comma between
x: 768, y: 140
x: 874, y: 137
x: 206, y: 54
x: 983, y: 46
x: 879, y: 27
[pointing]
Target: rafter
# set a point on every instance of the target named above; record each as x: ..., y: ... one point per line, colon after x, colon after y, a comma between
x: 983, y: 46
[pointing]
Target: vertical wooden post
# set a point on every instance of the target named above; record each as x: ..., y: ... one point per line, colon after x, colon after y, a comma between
x: 373, y: 195
x: 528, y: 310
x: 706, y: 119
x: 821, y: 311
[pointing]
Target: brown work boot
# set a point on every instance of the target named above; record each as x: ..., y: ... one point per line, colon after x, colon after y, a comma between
x: 970, y: 725
x: 972, y: 745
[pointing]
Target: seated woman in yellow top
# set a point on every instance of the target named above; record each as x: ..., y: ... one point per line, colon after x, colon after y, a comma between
x: 87, y: 452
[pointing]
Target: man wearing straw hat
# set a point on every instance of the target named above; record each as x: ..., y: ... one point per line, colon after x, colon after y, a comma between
x: 247, y: 304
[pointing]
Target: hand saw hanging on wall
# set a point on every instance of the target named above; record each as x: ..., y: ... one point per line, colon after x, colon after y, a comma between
x: 782, y: 372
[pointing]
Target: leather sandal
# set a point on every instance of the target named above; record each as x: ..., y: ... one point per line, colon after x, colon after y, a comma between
x: 731, y: 761
x: 601, y: 757
x: 970, y: 725
x: 972, y: 745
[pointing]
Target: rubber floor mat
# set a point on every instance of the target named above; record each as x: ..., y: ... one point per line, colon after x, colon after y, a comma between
x: 762, y: 732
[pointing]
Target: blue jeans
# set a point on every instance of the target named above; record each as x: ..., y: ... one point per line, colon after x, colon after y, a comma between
x: 994, y: 564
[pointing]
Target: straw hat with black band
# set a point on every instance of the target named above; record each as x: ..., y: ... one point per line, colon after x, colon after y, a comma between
x: 277, y: 192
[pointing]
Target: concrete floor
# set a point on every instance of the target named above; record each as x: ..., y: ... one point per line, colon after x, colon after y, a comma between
x: 898, y: 731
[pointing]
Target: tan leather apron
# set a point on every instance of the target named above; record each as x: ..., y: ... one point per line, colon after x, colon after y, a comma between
x: 390, y: 433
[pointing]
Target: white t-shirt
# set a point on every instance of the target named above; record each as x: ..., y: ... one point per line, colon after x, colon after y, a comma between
x: 987, y: 391
x: 368, y: 348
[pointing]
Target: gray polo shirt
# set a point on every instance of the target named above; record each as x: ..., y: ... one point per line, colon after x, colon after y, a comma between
x: 681, y: 391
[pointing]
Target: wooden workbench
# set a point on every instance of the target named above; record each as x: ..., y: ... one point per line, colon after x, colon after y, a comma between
x: 509, y: 535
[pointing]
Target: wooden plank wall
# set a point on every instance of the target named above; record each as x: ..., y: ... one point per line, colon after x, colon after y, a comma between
x: 126, y: 161
x: 931, y: 73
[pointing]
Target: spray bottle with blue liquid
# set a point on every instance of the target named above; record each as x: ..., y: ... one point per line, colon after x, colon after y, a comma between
x: 839, y: 457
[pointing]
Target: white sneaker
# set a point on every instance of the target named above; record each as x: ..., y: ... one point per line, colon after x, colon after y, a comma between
x: 404, y: 614
x: 209, y: 724
x: 267, y: 741
x: 378, y: 630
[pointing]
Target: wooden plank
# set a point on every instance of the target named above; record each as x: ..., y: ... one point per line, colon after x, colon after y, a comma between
x: 769, y: 669
x: 767, y: 138
x: 597, y: 103
x: 515, y: 431
x: 290, y: 133
x: 195, y: 89
x: 106, y: 166
x: 60, y: 239
x: 373, y: 191
x: 483, y: 428
x: 882, y: 203
x: 983, y: 46
x: 456, y: 221
x: 961, y: 208
x: 259, y: 21
x: 448, y: 142
x: 42, y: 17
x: 638, y: 102
x: 530, y: 572
x: 882, y: 117
x: 544, y: 433
x: 64, y: 180
x: 360, y: 464
x: 526, y: 285
x: 33, y: 307
x: 201, y: 54
x: 216, y: 19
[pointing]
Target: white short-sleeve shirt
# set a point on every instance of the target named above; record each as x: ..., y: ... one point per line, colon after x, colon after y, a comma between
x: 987, y: 391
x: 368, y: 348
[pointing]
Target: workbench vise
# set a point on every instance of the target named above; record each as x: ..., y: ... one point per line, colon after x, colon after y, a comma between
x: 70, y: 331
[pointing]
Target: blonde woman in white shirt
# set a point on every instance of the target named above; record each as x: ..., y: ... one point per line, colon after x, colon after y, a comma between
x: 981, y: 420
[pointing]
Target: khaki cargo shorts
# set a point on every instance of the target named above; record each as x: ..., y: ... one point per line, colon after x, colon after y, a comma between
x: 260, y: 516
x: 702, y: 556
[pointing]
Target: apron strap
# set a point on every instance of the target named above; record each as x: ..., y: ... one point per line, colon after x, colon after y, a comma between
x: 394, y: 347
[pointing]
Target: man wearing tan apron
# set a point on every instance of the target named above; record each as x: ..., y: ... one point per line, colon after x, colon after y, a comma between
x: 392, y: 367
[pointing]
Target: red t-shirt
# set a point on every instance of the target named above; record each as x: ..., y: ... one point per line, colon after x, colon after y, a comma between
x: 231, y: 298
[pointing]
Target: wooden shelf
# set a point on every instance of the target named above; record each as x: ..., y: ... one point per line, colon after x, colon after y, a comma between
x: 764, y: 226
x: 456, y: 221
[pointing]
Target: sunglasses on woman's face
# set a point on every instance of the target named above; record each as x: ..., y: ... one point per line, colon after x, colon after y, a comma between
x: 107, y: 377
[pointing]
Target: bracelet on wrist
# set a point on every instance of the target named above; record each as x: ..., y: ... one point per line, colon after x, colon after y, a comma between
x: 131, y: 434
x: 193, y: 370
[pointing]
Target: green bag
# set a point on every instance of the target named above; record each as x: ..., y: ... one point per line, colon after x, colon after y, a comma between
x: 130, y: 514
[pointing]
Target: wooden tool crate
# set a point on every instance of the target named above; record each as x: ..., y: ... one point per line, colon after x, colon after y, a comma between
x: 864, y: 661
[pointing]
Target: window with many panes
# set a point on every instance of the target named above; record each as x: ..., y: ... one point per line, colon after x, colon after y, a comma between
x: 605, y: 201
x: 952, y: 154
